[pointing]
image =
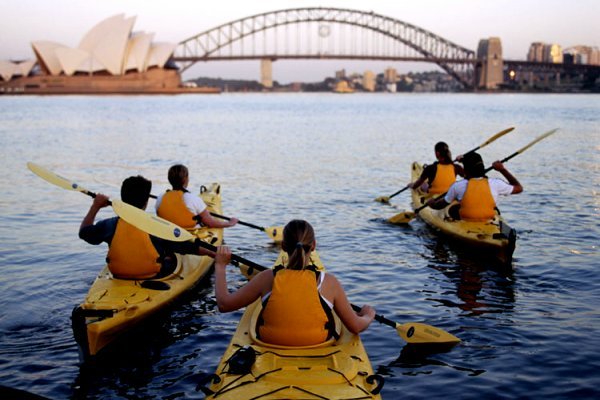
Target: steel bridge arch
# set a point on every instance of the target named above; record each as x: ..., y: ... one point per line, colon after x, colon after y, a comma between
x: 456, y: 60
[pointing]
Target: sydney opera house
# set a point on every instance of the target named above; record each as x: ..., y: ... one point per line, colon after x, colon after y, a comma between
x: 110, y: 58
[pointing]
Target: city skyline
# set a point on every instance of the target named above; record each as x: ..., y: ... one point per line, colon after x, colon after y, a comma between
x: 465, y: 22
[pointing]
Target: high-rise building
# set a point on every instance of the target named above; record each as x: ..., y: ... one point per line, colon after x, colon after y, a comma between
x: 553, y: 54
x: 536, y: 52
x: 390, y: 75
x: 368, y: 81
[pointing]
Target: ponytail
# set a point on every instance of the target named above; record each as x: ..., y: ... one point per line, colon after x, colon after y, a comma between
x: 298, y: 239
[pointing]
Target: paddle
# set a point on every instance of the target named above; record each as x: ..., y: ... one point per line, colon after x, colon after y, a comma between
x: 274, y: 232
x: 386, y: 199
x: 490, y: 140
x: 416, y: 333
x: 407, y: 216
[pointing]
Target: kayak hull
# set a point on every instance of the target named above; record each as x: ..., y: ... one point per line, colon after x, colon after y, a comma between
x: 337, y: 369
x: 114, y: 306
x: 494, y: 236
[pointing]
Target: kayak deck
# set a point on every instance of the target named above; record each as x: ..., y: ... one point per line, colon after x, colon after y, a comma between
x: 495, y: 235
x: 336, y: 369
x: 114, y: 306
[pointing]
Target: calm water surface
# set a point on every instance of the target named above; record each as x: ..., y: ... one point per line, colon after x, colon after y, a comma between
x: 530, y: 332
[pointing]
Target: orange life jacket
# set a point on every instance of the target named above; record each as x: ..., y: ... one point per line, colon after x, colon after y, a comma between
x: 477, y: 203
x: 173, y: 208
x: 131, y: 254
x: 445, y: 176
x: 294, y: 314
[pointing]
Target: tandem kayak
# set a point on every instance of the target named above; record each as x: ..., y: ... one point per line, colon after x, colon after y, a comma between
x: 114, y: 306
x: 252, y: 369
x: 494, y: 235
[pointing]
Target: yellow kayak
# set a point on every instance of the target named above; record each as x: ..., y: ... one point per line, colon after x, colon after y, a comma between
x: 336, y: 369
x: 494, y: 235
x: 114, y: 306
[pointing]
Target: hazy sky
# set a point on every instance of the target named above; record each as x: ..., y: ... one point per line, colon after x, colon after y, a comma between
x: 465, y: 22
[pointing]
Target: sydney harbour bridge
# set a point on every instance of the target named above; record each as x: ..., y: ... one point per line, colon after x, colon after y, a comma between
x: 334, y: 33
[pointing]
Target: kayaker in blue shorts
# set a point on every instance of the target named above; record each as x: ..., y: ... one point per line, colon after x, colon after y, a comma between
x: 437, y: 178
x: 183, y: 208
x: 477, y: 193
x: 132, y: 253
x: 297, y: 299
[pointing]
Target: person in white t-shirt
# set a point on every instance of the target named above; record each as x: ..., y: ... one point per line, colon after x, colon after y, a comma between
x: 477, y: 193
x: 183, y: 208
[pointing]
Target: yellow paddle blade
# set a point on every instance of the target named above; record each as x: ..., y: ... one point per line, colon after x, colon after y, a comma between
x: 275, y: 233
x: 151, y: 224
x: 418, y: 333
x: 403, y: 218
x: 383, y: 199
x: 496, y: 136
x: 55, y: 179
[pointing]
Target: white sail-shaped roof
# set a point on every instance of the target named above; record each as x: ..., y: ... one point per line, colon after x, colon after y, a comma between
x: 110, y: 51
x: 71, y: 59
x: 137, y: 52
x: 7, y: 70
x: 108, y: 46
x: 46, y: 53
x: 98, y: 33
x: 160, y: 53
x: 25, y: 67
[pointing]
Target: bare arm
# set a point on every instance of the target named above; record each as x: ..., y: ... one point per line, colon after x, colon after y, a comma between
x: 437, y: 204
x: 231, y: 301
x: 355, y: 322
x: 212, y: 222
x: 100, y: 201
x: 517, y: 188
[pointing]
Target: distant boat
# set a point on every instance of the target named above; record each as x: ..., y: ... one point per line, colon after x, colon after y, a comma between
x: 342, y: 87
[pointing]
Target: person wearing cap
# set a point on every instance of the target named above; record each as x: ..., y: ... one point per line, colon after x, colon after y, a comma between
x: 477, y: 193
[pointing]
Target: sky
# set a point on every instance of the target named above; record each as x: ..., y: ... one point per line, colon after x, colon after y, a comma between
x: 518, y: 23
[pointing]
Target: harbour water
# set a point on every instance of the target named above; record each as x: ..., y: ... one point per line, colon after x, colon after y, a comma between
x: 529, y: 332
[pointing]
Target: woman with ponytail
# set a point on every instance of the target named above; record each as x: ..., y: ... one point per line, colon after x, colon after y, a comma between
x: 437, y: 178
x: 297, y: 298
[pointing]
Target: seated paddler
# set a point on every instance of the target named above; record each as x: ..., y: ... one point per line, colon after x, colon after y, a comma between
x: 437, y: 177
x: 298, y: 300
x: 183, y: 208
x: 477, y: 194
x: 132, y: 253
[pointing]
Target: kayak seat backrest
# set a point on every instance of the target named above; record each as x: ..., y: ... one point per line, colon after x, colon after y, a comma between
x: 254, y: 324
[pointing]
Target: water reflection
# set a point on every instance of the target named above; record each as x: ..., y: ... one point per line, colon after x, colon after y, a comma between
x: 482, y: 286
x: 415, y: 360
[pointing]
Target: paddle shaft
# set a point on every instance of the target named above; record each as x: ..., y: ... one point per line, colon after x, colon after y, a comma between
x: 490, y: 140
x: 260, y: 228
x: 379, y: 318
x: 399, y: 191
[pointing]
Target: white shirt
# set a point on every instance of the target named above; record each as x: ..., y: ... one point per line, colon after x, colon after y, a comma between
x: 498, y: 187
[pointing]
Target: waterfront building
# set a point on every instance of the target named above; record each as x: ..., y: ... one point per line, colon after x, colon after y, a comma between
x: 368, y: 81
x: 109, y: 58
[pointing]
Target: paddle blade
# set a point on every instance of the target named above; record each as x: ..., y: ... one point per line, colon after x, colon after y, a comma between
x: 403, y: 218
x: 55, y: 179
x: 275, y: 233
x: 418, y: 333
x: 496, y: 136
x: 383, y: 199
x: 151, y: 224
